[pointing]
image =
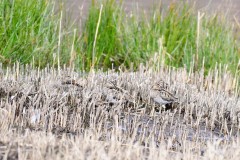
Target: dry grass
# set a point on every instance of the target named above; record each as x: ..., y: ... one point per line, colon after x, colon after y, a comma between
x: 50, y: 114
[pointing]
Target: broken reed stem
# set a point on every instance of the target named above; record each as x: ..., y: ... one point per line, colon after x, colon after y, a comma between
x: 237, y: 22
x: 72, y: 51
x: 95, y: 38
x: 59, y: 42
x: 200, y: 16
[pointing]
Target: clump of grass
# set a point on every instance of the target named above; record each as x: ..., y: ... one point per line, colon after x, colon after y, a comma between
x: 31, y: 30
x: 27, y: 30
x: 174, y: 36
x: 217, y: 43
x: 108, y: 47
x: 178, y: 35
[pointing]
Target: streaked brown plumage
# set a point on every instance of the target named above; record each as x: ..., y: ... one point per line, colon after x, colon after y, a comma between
x: 159, y: 94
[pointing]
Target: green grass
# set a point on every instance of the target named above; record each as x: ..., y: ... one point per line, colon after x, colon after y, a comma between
x: 173, y: 33
x: 30, y: 30
x: 108, y: 42
x: 174, y: 36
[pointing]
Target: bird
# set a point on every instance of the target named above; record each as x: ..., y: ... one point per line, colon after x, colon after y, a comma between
x: 160, y: 95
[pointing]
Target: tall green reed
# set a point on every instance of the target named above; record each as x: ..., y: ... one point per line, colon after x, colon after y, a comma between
x: 177, y: 35
x: 30, y: 30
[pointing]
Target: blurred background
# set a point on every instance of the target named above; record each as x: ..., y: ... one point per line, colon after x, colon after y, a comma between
x: 79, y: 8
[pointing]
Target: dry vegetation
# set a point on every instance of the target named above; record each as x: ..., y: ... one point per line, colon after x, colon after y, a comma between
x: 51, y: 114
